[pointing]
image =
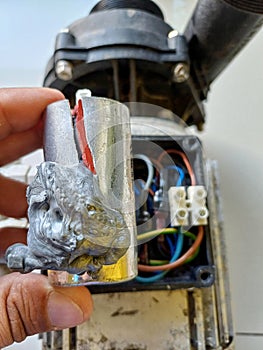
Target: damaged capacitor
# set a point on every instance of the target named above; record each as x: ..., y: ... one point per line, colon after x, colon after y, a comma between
x: 81, y: 205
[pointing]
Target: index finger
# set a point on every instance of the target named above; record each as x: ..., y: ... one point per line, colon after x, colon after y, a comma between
x: 22, y: 108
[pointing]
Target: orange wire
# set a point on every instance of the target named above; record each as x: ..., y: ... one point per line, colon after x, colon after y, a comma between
x: 179, y: 261
x: 149, y: 189
x: 186, y: 162
x: 199, y: 238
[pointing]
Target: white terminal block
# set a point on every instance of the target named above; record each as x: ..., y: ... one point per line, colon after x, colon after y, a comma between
x: 178, y: 206
x: 188, y: 207
x: 197, y: 205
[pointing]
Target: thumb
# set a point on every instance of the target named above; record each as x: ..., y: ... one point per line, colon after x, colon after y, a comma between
x: 30, y: 305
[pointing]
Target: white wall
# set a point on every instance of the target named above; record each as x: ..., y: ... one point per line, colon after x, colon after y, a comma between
x: 234, y: 136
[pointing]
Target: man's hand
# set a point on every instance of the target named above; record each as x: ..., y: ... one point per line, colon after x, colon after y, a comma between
x: 28, y: 303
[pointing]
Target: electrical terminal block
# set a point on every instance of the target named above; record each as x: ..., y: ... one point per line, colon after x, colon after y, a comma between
x: 178, y: 206
x: 197, y: 205
x: 188, y: 207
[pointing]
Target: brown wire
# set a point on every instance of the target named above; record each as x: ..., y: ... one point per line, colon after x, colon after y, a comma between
x: 199, y: 238
x: 186, y: 162
x: 179, y: 261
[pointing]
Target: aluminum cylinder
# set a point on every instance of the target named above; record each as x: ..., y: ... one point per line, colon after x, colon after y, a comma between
x: 105, y: 125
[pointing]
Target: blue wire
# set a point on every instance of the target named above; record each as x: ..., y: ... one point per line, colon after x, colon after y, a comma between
x: 171, y: 245
x: 177, y: 253
x: 181, y: 173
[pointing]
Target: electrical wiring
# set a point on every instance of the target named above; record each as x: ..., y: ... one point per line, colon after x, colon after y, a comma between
x: 170, y: 244
x: 161, y: 245
x: 154, y: 262
x: 152, y: 234
x: 141, y: 238
x: 157, y: 164
x: 164, y: 250
x: 152, y: 278
x: 187, y: 261
x: 160, y: 265
x: 178, y: 250
x: 142, y: 186
x: 184, y: 158
x: 149, y: 167
x: 180, y: 171
x: 162, y: 262
x: 180, y: 260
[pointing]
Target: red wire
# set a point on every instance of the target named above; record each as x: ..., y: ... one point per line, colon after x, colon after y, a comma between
x: 84, y: 146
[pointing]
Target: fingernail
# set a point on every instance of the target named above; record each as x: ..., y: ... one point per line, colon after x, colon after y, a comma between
x: 63, y: 312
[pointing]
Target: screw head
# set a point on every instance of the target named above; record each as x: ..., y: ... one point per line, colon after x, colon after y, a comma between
x: 181, y: 72
x: 64, y: 70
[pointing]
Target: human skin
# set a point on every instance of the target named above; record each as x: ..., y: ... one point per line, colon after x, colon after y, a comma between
x: 28, y: 303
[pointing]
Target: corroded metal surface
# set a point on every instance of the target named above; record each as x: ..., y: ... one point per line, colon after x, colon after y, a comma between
x: 137, y: 320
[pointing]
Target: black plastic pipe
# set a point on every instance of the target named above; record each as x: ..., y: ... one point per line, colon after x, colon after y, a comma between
x: 216, y: 32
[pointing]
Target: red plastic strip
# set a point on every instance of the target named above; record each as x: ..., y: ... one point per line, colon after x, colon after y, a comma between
x: 84, y: 146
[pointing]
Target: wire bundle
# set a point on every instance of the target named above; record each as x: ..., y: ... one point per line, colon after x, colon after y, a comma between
x: 172, y: 239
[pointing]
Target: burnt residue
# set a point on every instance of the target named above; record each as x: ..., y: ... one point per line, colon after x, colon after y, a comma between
x: 121, y: 312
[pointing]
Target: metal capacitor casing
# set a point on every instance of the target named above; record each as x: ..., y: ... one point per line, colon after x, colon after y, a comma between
x: 59, y: 140
x: 107, y: 128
